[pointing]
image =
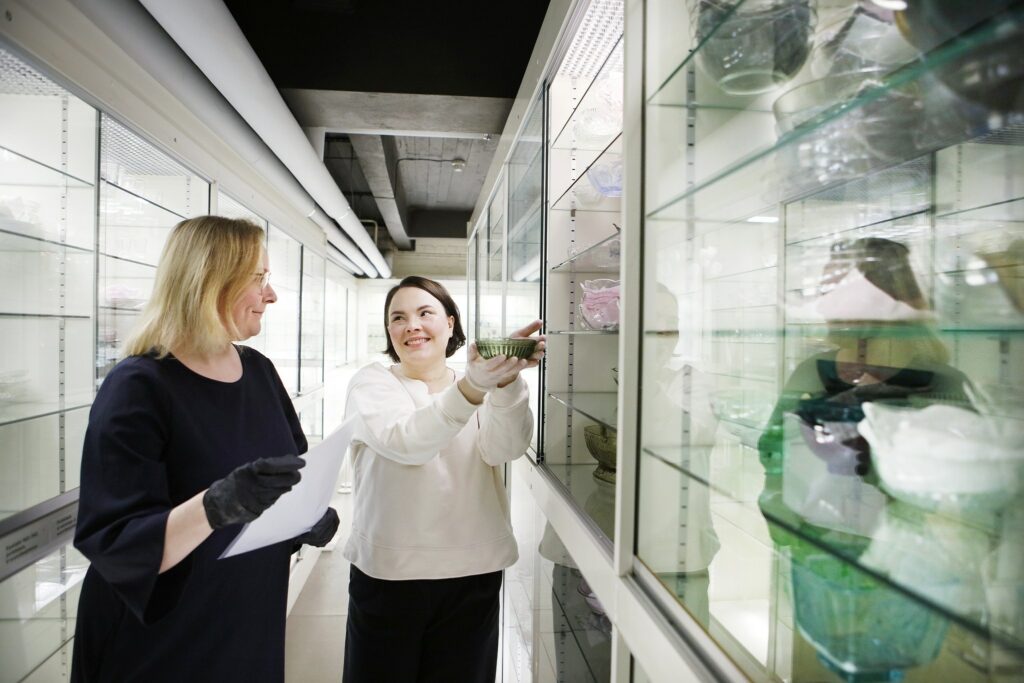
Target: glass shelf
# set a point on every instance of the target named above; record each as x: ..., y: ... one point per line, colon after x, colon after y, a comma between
x: 597, y: 258
x: 35, y: 268
x: 599, y: 406
x: 882, y: 553
x: 774, y: 335
x: 125, y: 259
x: 123, y: 310
x: 45, y: 316
x: 583, y: 194
x: 594, y: 497
x: 613, y: 333
x: 18, y: 241
x: 784, y: 172
x: 30, y: 410
x: 18, y: 170
x: 901, y: 195
x: 597, y: 117
x: 134, y: 228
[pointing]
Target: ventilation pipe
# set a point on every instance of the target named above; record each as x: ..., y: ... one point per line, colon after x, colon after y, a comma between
x: 208, y: 34
x: 335, y: 255
x: 142, y: 39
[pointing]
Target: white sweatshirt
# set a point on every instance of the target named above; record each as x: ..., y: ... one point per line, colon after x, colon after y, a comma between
x: 429, y: 502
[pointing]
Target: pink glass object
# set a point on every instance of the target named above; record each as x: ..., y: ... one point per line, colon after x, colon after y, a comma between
x: 600, y: 305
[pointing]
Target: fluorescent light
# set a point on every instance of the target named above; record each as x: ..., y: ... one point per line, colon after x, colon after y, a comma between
x: 891, y: 4
x: 763, y: 219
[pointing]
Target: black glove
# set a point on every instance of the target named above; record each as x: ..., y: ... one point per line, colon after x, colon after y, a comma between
x: 321, y: 533
x: 243, y: 495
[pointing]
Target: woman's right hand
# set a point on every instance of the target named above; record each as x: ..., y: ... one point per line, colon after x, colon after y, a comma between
x: 249, y: 489
x: 484, y: 374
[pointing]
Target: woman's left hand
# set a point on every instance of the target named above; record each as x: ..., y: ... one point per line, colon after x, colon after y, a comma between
x: 321, y: 533
x: 538, y: 352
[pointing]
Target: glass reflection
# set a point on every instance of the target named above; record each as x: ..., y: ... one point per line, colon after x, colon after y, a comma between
x: 879, y: 479
x: 580, y: 626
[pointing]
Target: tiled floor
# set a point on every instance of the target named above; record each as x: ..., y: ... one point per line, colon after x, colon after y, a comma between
x: 315, y: 642
x: 551, y: 634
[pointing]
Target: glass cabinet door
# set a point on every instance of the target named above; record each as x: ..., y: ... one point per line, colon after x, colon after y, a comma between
x: 230, y: 208
x: 491, y: 267
x: 831, y: 424
x: 47, y: 318
x: 47, y: 273
x: 312, y: 346
x: 336, y: 302
x: 526, y: 224
x: 472, y: 287
x: 143, y: 195
x: 281, y: 322
x: 581, y: 273
x: 37, y: 617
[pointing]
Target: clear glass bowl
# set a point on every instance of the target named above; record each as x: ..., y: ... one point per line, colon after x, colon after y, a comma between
x: 754, y: 46
x: 845, y: 143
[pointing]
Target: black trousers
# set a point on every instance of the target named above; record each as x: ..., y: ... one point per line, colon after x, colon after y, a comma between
x: 422, y: 631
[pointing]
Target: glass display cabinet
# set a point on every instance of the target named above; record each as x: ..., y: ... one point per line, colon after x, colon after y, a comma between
x: 526, y: 218
x: 581, y: 265
x: 281, y: 322
x: 143, y: 194
x: 831, y: 420
x: 47, y: 271
x: 86, y: 205
x: 490, y: 266
x: 311, y: 362
x: 472, y: 285
x: 47, y: 253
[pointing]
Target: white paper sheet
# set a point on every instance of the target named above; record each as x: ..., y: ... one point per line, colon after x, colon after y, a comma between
x: 298, y: 510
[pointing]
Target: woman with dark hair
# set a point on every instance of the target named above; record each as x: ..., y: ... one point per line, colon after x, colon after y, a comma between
x: 430, y: 527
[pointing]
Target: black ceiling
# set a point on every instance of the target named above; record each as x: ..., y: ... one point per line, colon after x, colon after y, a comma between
x: 444, y: 47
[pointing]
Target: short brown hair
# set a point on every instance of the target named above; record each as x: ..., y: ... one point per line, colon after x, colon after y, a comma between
x: 436, y: 290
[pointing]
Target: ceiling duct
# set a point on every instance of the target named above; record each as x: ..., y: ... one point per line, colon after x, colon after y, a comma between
x: 142, y: 39
x: 208, y: 34
x: 337, y: 256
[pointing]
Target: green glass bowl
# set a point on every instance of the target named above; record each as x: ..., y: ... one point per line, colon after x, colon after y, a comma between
x: 600, y: 442
x: 505, y: 346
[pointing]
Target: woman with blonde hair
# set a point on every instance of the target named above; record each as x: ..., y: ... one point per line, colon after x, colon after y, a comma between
x: 190, y: 436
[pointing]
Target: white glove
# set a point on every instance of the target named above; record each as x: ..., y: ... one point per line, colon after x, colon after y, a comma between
x: 485, y: 374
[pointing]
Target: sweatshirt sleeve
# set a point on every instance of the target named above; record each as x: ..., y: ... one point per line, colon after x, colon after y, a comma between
x: 391, y: 425
x: 124, y: 499
x: 506, y: 423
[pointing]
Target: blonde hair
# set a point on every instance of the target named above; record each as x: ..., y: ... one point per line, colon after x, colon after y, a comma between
x: 205, y: 266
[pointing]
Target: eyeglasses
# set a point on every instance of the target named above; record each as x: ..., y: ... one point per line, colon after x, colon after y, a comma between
x: 262, y: 278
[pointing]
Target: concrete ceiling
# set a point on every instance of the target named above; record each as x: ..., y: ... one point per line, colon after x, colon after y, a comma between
x: 396, y: 92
